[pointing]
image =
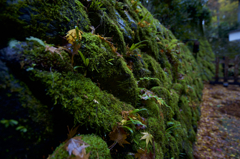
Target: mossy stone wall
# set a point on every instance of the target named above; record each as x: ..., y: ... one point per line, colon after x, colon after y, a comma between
x: 62, y: 91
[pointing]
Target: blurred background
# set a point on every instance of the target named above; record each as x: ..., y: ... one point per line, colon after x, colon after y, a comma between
x: 214, y: 19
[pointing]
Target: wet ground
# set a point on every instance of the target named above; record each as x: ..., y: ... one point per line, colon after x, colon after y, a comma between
x: 219, y: 128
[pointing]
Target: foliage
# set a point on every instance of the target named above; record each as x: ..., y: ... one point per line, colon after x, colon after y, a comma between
x: 85, y: 61
x: 137, y: 45
x: 12, y: 123
x: 177, y: 15
x: 130, y: 119
x: 146, y: 95
x: 147, y: 136
x: 74, y: 37
x: 37, y: 40
x: 171, y: 45
x: 172, y: 126
x: 9, y: 122
x: 118, y: 135
x: 142, y: 154
x: 96, y: 5
x: 224, y: 21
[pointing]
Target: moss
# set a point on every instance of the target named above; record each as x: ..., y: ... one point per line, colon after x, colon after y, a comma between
x: 95, y: 101
x: 166, y: 96
x: 172, y: 147
x: 178, y: 88
x: 205, y: 57
x: 20, y: 104
x: 152, y: 107
x: 98, y: 148
x: 115, y: 77
x: 159, y: 150
x: 156, y: 127
x: 156, y: 70
x: 83, y: 99
x: 37, y: 19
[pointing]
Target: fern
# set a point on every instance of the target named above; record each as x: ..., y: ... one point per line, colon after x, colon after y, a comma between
x: 137, y: 45
x: 36, y: 39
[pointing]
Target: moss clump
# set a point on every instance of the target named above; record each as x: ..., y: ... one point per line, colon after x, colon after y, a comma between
x: 114, y: 76
x: 93, y: 95
x: 156, y: 127
x: 19, y: 103
x: 98, y: 148
x: 156, y: 70
x: 45, y: 19
x: 82, y: 98
x: 205, y: 58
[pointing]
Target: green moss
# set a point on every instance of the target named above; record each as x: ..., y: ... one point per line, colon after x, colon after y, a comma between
x: 152, y: 107
x: 48, y: 20
x: 205, y: 58
x: 83, y: 99
x: 156, y: 127
x: 166, y: 96
x: 178, y: 88
x: 116, y: 77
x: 98, y: 148
x: 159, y: 150
x: 96, y: 100
x: 20, y: 104
x: 156, y: 70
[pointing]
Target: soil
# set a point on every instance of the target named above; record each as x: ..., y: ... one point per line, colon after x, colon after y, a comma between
x: 218, y: 134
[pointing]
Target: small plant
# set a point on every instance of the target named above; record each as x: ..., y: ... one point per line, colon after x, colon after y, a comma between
x: 169, y: 45
x: 9, y: 122
x: 134, y: 47
x: 85, y: 62
x: 173, y: 126
x: 74, y: 37
x: 12, y: 123
x: 135, y: 3
x: 130, y: 119
x: 146, y: 95
x: 137, y: 45
x: 143, y: 22
x: 96, y: 6
x: 148, y: 78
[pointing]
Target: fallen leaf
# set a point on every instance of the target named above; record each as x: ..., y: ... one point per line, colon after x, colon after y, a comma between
x: 118, y: 135
x: 147, y: 136
x: 141, y: 154
x: 77, y: 147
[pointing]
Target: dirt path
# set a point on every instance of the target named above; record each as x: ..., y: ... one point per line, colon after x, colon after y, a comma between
x: 219, y: 128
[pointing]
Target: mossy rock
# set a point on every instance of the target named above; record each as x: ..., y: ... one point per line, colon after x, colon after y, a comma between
x: 98, y: 148
x: 70, y: 92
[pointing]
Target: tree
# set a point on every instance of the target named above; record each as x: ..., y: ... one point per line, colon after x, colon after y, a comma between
x: 179, y: 15
x: 224, y: 19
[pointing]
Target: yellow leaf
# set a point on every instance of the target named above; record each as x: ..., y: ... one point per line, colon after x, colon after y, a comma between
x: 147, y: 136
x: 72, y: 36
x: 232, y: 155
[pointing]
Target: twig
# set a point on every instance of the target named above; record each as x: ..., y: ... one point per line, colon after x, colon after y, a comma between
x: 111, y: 146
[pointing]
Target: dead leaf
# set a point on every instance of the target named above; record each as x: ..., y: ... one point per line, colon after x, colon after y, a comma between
x: 53, y: 50
x: 118, y: 135
x: 72, y: 132
x: 141, y: 154
x: 77, y: 147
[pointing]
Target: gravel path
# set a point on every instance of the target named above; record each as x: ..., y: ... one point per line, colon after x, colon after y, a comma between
x: 218, y: 134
